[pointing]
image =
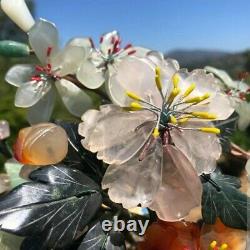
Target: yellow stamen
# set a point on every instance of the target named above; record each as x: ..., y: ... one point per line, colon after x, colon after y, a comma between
x: 193, y: 99
x: 183, y: 120
x: 210, y: 130
x: 176, y: 80
x: 189, y: 90
x: 133, y: 96
x: 223, y: 246
x: 157, y: 71
x: 197, y: 99
x: 174, y: 93
x: 135, y: 105
x: 173, y: 119
x: 158, y: 82
x: 204, y: 115
x: 205, y: 96
x: 213, y: 245
x: 156, y: 133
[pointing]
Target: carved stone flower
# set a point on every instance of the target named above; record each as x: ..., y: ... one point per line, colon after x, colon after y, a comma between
x: 158, y: 137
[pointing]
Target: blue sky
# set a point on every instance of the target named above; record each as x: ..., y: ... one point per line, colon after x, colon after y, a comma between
x: 157, y: 24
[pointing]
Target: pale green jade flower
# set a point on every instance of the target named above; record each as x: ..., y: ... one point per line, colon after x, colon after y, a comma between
x: 36, y: 82
x: 102, y: 62
x: 236, y: 94
x: 158, y: 137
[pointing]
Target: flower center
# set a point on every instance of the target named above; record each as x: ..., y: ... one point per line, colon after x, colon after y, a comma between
x: 177, y: 107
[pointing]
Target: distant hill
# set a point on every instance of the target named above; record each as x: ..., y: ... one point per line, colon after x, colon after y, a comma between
x: 232, y: 62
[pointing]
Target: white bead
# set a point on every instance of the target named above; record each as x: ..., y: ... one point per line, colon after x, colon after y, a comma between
x: 18, y: 11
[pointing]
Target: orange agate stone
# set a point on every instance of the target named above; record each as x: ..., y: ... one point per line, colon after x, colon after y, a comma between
x: 41, y: 144
x: 171, y: 236
x: 234, y: 238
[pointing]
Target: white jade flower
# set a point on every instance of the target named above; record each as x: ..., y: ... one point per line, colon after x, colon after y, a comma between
x: 158, y: 144
x: 237, y: 92
x: 36, y: 82
x: 102, y: 61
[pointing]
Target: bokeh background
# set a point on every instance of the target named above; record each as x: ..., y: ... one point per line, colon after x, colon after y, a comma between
x: 195, y: 32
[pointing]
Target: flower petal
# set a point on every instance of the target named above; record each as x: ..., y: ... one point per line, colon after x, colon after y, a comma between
x: 180, y: 189
x: 30, y: 93
x: 227, y: 80
x: 67, y: 61
x: 168, y: 68
x: 42, y: 36
x: 135, y: 182
x: 243, y: 109
x: 218, y: 103
x: 42, y: 110
x: 202, y: 149
x: 19, y: 74
x: 138, y: 76
x: 83, y: 42
x: 130, y: 130
x: 89, y: 75
x: 107, y: 41
x: 90, y: 119
x: 124, y: 149
x: 75, y: 100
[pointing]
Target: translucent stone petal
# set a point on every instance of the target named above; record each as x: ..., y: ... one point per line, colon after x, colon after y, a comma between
x: 68, y: 60
x: 122, y: 123
x: 4, y: 130
x: 202, y: 149
x: 227, y: 80
x: 41, y: 144
x: 219, y: 105
x: 168, y: 68
x: 180, y: 189
x: 18, y: 11
x: 19, y: 74
x: 44, y: 35
x: 42, y: 110
x: 90, y: 120
x: 107, y: 43
x: 89, y: 75
x: 116, y: 92
x: 156, y: 57
x: 138, y: 76
x: 126, y: 146
x: 30, y: 93
x: 135, y: 182
x: 83, y: 42
x: 223, y: 75
x: 75, y: 99
x: 243, y: 109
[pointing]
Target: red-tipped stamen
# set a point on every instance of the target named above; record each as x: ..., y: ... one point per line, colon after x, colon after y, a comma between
x: 128, y: 46
x: 49, y: 50
x: 101, y: 39
x: 113, y: 40
x: 131, y: 52
x: 36, y: 78
x: 39, y: 68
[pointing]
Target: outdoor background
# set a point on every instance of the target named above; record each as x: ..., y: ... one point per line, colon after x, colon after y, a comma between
x: 195, y: 32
